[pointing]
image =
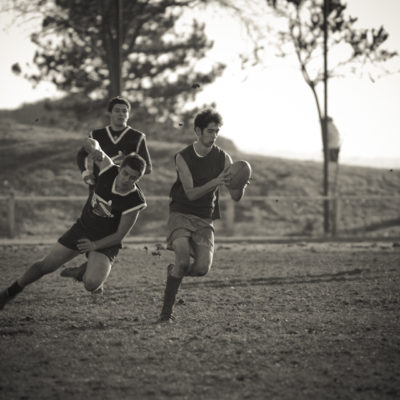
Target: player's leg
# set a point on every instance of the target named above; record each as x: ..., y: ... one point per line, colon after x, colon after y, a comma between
x: 181, y: 247
x: 203, y: 248
x: 202, y: 261
x: 97, y: 270
x: 57, y: 256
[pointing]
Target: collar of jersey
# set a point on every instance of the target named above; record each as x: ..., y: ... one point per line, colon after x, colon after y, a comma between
x: 199, y: 155
x: 122, y: 134
x: 115, y: 191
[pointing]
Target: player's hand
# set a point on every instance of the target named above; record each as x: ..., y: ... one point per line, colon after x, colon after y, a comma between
x: 85, y: 245
x: 88, y: 178
x: 119, y: 158
x: 224, y: 178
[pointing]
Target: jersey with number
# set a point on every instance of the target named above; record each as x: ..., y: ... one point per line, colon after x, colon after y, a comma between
x: 102, y: 212
x: 202, y: 169
x: 115, y: 144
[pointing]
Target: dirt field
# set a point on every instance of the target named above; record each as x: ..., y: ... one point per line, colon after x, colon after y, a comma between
x: 287, y: 321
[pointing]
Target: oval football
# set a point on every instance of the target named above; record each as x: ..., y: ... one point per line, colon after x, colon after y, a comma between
x: 241, y: 173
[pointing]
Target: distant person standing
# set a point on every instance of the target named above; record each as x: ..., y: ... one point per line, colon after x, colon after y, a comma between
x: 116, y: 140
x: 333, y: 141
x: 201, y: 170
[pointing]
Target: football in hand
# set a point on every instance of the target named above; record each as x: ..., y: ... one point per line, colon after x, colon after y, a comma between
x: 240, y: 174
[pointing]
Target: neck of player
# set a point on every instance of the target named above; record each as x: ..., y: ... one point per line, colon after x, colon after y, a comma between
x: 118, y: 128
x: 201, y: 148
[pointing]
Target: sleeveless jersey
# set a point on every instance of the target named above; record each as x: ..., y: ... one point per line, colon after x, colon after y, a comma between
x: 113, y: 144
x: 203, y: 169
x: 105, y: 206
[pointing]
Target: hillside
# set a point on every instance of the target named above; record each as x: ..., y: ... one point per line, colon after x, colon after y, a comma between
x: 39, y: 160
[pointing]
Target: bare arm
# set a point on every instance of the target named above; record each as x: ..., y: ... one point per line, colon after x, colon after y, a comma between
x: 92, y: 147
x: 125, y: 225
x: 194, y: 193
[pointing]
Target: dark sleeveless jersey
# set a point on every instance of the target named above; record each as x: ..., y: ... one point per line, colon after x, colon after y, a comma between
x: 105, y: 206
x: 115, y: 143
x: 203, y: 169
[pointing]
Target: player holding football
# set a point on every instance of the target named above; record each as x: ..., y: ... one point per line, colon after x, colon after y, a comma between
x: 202, y: 168
x: 116, y: 140
x: 107, y: 218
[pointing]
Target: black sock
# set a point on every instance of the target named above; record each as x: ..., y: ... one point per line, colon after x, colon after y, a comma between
x: 171, y: 289
x: 14, y: 289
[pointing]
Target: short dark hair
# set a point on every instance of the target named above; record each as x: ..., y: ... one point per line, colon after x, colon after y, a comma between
x: 134, y: 161
x: 118, y: 100
x: 204, y: 117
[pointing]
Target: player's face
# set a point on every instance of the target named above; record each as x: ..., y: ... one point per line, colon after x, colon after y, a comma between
x: 127, y: 177
x: 119, y: 115
x: 209, y: 134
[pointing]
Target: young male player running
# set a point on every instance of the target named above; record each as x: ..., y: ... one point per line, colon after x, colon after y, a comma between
x: 107, y: 218
x: 201, y: 170
x: 116, y: 140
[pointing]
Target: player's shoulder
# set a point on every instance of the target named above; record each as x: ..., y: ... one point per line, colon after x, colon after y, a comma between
x: 186, y: 150
x: 109, y: 171
x: 221, y: 152
x: 135, y: 132
x: 99, y: 132
x: 140, y: 194
x: 135, y: 199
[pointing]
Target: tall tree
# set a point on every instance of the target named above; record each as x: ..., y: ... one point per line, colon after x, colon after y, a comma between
x: 352, y: 49
x: 316, y: 27
x: 78, y: 41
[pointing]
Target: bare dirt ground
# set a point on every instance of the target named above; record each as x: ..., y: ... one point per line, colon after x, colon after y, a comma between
x: 273, y: 321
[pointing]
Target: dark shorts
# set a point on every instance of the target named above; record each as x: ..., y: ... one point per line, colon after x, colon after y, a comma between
x: 200, y: 231
x: 77, y: 231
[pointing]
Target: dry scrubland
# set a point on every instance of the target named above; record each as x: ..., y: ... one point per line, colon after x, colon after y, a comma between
x: 268, y: 322
x: 37, y: 160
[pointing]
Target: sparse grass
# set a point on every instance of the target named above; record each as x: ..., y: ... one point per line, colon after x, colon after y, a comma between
x: 39, y: 160
x: 268, y: 322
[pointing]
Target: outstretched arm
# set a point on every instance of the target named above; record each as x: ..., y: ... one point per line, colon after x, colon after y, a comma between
x: 82, y: 162
x: 194, y: 193
x: 92, y: 147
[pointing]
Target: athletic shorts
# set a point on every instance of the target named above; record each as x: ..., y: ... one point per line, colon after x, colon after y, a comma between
x: 200, y: 231
x: 76, y: 232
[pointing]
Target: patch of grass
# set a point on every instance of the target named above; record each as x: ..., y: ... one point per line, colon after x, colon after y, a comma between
x: 38, y: 160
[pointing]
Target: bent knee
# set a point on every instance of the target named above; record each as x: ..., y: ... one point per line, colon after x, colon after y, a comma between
x: 200, y: 269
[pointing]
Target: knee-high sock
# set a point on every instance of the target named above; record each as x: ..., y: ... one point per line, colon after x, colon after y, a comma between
x: 171, y: 289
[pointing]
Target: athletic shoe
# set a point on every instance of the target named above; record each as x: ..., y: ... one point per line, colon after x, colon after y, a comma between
x: 4, y: 298
x: 74, y: 272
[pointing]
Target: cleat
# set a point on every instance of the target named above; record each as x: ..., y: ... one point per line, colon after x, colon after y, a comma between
x: 74, y: 272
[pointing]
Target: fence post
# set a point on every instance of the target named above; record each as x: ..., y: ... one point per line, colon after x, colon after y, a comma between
x: 336, y: 215
x: 230, y: 217
x: 11, y: 215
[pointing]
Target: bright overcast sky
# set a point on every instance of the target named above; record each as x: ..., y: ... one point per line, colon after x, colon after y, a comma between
x: 269, y: 109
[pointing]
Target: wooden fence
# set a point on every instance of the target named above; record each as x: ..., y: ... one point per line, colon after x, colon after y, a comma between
x: 229, y: 212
